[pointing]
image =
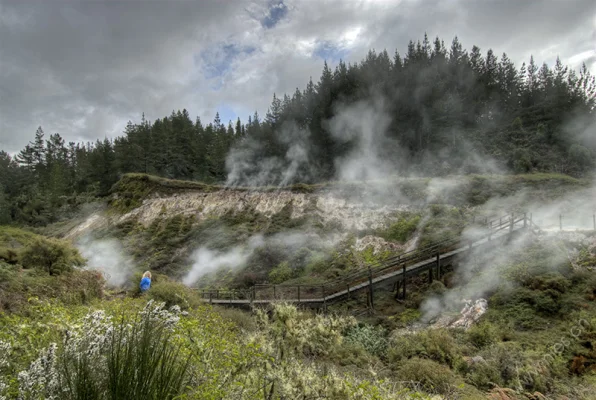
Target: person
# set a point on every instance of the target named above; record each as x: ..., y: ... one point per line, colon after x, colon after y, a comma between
x: 146, y: 281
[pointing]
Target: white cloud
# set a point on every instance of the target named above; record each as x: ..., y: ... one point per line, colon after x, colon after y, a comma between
x: 83, y: 68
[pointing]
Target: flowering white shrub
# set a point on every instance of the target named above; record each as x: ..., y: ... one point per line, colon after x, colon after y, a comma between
x: 41, y: 380
x: 101, y: 356
x: 5, y: 351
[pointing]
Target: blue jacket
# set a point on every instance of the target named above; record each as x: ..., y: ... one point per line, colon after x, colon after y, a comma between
x: 145, y: 284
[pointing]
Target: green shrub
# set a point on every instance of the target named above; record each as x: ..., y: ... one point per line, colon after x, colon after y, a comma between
x: 436, y: 288
x: 434, y: 344
x: 432, y: 376
x: 51, y: 255
x: 484, y: 375
x: 242, y: 319
x: 281, y: 273
x: 9, y: 256
x: 482, y: 335
x: 173, y: 293
x: 372, y: 338
x: 18, y: 286
x: 402, y: 230
x: 409, y: 315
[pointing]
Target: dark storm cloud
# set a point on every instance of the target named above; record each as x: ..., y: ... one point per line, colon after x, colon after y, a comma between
x: 83, y: 68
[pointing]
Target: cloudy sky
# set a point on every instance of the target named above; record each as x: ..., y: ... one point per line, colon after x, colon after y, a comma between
x: 84, y: 67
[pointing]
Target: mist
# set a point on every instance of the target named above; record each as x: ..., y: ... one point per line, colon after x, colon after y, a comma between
x: 364, y: 125
x: 108, y: 257
x: 205, y: 260
x: 481, y: 270
x: 248, y: 164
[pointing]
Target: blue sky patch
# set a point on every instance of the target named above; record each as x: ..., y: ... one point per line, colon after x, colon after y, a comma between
x: 218, y: 59
x: 329, y: 51
x: 276, y: 12
x: 226, y: 113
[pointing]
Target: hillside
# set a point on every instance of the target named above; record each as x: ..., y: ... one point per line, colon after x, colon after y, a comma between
x: 165, y: 225
x: 537, y: 289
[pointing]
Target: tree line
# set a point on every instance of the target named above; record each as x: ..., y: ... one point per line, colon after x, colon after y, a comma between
x: 444, y: 105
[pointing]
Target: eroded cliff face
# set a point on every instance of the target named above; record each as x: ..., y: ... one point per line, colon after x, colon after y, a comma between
x: 327, y: 208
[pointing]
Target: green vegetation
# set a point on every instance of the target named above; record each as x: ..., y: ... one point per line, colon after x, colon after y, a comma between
x: 36, y: 267
x: 402, y: 230
x: 522, y: 345
x: 444, y: 222
x: 140, y: 350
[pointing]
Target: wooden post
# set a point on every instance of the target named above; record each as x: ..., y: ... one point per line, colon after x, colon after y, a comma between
x: 370, y: 289
x: 525, y: 222
x: 217, y: 294
x: 438, y: 266
x: 254, y: 292
x: 430, y: 274
x: 348, y: 288
x: 324, y: 300
x: 210, y: 297
x: 404, y: 280
x: 298, y: 293
x: 511, y: 223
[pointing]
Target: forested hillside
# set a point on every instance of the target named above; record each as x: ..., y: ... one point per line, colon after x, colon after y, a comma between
x: 431, y: 111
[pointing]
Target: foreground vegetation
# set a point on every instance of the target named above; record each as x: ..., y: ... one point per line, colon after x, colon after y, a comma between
x: 538, y: 337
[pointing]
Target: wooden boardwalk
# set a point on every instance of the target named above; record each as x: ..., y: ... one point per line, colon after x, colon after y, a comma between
x: 392, y: 271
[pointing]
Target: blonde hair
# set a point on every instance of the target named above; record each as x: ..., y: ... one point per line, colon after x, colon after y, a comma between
x: 147, y: 274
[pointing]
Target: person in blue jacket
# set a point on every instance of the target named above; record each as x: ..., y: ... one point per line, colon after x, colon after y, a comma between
x: 146, y: 281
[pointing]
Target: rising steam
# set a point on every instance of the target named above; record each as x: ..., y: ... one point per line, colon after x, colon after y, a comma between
x: 206, y: 260
x: 108, y: 257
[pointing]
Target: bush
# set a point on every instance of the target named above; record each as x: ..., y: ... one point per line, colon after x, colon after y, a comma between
x: 173, y: 293
x: 136, y: 359
x: 434, y: 344
x: 436, y: 288
x: 281, y: 273
x: 402, y: 230
x: 51, y: 255
x: 242, y: 319
x: 432, y: 376
x: 372, y: 338
x: 9, y: 256
x: 482, y: 335
x: 18, y: 286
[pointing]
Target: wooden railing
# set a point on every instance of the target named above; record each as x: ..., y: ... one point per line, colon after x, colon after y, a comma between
x: 396, y: 268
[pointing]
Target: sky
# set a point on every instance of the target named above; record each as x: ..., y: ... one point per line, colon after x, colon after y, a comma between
x: 83, y: 68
